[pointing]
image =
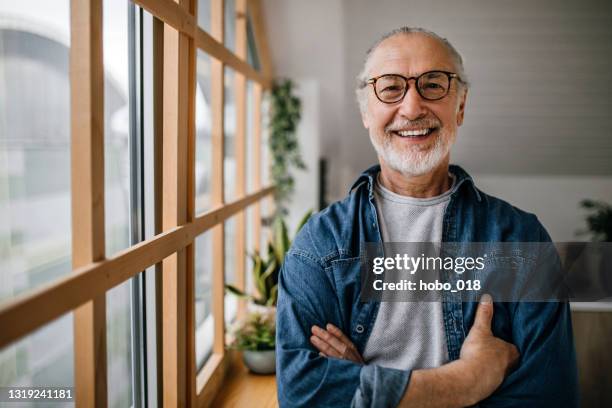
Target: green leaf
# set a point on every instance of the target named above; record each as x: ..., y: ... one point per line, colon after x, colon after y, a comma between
x: 237, y: 292
x: 281, y: 240
x: 272, y: 267
x: 273, y: 296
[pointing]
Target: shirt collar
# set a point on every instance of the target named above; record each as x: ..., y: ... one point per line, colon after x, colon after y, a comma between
x: 369, y: 177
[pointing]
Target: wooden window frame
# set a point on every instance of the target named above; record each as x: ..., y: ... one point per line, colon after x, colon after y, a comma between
x: 84, y: 290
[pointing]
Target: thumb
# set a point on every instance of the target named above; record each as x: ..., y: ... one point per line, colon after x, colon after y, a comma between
x: 484, y: 313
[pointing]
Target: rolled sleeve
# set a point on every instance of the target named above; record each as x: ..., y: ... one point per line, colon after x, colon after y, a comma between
x: 380, y: 387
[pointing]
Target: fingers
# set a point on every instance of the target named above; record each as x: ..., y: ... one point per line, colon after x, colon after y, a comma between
x: 338, y: 345
x: 338, y: 333
x: 333, y: 343
x: 325, y: 349
x: 484, y: 314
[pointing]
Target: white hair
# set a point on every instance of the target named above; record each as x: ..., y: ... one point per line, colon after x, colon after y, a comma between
x: 362, y: 77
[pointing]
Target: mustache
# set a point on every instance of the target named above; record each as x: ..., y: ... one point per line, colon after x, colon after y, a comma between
x: 418, y: 123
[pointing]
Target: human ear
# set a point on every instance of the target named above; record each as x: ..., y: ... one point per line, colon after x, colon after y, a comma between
x: 461, y: 108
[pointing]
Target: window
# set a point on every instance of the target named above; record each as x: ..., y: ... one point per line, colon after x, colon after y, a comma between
x: 173, y: 207
x: 35, y: 227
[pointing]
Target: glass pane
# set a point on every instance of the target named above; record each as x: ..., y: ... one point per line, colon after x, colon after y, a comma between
x: 35, y: 225
x: 250, y: 136
x: 118, y: 338
x: 266, y: 207
x: 116, y: 125
x: 204, y: 14
x: 250, y: 247
x: 203, y: 161
x: 42, y: 359
x: 117, y: 195
x: 231, y: 302
x: 230, y: 25
x: 203, y: 297
x: 229, y: 159
x: 265, y: 137
x: 252, y: 54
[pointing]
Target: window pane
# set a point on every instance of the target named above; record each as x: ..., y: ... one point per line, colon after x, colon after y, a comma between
x: 204, y: 14
x: 230, y: 25
x: 231, y: 302
x: 229, y: 150
x: 117, y: 195
x: 266, y: 207
x: 203, y: 161
x: 250, y: 138
x: 42, y: 359
x: 118, y: 338
x: 265, y: 137
x: 203, y: 297
x: 116, y: 125
x: 252, y: 54
x: 250, y: 247
x: 35, y: 225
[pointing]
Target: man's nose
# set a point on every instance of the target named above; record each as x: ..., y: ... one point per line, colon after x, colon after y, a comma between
x: 412, y: 106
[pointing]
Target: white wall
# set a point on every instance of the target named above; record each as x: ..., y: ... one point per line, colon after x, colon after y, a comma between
x: 536, y: 119
x: 555, y: 200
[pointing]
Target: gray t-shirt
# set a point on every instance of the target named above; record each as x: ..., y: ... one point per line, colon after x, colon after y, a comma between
x: 408, y: 335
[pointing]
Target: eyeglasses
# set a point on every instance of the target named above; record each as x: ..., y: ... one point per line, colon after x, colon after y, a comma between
x: 431, y: 85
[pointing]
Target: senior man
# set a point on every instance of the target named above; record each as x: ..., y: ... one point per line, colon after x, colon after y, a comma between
x: 335, y: 350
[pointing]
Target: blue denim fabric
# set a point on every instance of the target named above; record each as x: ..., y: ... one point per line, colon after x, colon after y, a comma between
x: 320, y: 283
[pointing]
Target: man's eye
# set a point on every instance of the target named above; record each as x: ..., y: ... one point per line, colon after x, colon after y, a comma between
x: 394, y: 88
x: 433, y: 85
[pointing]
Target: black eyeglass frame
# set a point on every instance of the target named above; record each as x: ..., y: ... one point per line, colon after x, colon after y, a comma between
x: 450, y: 76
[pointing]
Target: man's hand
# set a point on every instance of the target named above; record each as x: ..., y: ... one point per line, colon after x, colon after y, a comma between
x: 333, y: 343
x: 483, y: 362
x: 487, y: 358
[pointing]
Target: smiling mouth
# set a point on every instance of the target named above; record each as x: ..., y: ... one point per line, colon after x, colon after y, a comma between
x: 414, y: 133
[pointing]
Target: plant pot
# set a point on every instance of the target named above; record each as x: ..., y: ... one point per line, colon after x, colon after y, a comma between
x: 260, y: 362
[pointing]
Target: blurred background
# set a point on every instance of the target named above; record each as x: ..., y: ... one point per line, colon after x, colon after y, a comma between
x: 538, y: 121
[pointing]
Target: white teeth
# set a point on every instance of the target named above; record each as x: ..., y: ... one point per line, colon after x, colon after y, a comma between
x: 418, y: 132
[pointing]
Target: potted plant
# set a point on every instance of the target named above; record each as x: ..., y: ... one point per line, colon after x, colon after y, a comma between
x: 599, y: 221
x: 255, y: 337
x: 267, y: 267
x: 285, y: 114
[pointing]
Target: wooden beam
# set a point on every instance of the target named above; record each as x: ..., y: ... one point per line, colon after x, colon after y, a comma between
x: 175, y: 210
x: 217, y: 50
x: 190, y: 250
x: 87, y: 172
x: 29, y: 311
x: 218, y: 143
x: 211, y: 377
x: 240, y: 85
x: 179, y: 18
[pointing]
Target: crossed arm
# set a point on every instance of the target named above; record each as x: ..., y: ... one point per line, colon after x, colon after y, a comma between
x: 305, y: 377
x: 483, y: 363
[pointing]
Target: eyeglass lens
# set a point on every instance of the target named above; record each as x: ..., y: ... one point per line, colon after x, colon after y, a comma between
x: 430, y: 85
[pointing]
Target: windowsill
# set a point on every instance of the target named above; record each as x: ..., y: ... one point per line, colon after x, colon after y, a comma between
x: 242, y: 388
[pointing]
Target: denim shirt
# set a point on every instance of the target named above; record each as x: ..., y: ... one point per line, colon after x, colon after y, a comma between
x: 320, y: 283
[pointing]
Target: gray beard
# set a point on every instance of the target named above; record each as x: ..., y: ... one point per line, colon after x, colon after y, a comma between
x: 413, y: 162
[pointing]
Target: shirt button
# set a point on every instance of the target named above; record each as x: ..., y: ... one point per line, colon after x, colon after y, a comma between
x: 359, y: 329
